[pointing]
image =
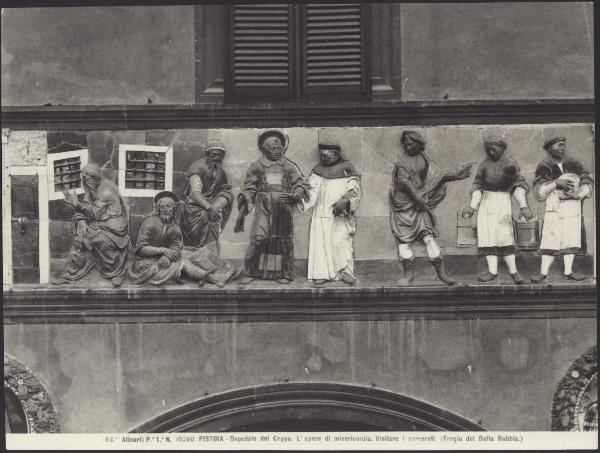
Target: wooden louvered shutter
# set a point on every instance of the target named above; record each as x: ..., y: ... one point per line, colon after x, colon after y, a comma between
x: 334, y: 49
x: 261, y: 51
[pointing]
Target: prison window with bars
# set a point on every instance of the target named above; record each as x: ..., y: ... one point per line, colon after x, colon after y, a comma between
x: 67, y: 174
x: 145, y: 170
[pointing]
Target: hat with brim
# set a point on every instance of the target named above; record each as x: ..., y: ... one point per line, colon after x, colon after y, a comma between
x: 263, y: 136
x: 552, y: 140
x: 215, y: 146
x: 165, y: 194
x: 330, y: 146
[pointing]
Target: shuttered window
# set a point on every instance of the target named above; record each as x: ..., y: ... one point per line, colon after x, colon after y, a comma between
x: 333, y: 48
x: 284, y: 52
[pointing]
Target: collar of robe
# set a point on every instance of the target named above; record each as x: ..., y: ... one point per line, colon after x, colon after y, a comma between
x: 343, y: 169
x: 267, y: 163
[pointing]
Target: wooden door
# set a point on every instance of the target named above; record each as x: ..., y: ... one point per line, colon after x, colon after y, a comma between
x: 25, y: 229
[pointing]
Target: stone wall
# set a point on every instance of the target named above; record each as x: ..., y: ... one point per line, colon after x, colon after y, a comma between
x: 508, y: 50
x: 142, y: 55
x: 98, y: 55
x: 372, y: 150
x: 113, y: 377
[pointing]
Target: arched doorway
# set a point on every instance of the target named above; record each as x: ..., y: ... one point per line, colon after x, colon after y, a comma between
x: 307, y: 407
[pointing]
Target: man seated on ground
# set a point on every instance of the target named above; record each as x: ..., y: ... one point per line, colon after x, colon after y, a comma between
x: 159, y: 254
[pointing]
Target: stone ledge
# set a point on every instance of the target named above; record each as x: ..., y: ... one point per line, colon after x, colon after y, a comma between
x: 28, y: 305
x: 376, y: 295
x: 93, y: 117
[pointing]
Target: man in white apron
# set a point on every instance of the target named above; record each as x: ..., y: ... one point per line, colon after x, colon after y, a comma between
x: 498, y: 177
x: 562, y: 183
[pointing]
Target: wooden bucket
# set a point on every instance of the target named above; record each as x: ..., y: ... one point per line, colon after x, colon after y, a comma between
x: 466, y: 231
x: 527, y: 234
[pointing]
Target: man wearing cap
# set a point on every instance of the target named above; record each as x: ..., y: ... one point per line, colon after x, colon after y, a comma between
x: 273, y: 183
x: 498, y: 177
x: 159, y: 255
x: 207, y: 198
x: 335, y: 192
x: 102, y: 229
x: 562, y: 183
x: 418, y: 186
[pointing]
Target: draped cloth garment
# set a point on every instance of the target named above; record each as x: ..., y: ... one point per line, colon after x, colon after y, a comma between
x: 105, y: 245
x: 407, y: 223
x: 270, y: 254
x: 155, y: 233
x: 198, y: 230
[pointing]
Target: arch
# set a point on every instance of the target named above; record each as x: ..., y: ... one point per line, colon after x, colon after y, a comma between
x: 29, y: 407
x: 307, y: 407
x: 575, y: 402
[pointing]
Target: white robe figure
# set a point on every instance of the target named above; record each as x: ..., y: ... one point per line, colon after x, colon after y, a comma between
x: 331, y: 250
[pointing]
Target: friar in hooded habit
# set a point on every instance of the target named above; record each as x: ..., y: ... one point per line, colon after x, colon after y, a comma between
x: 273, y: 184
x: 335, y: 191
x: 418, y: 186
x: 562, y: 183
x: 101, y: 224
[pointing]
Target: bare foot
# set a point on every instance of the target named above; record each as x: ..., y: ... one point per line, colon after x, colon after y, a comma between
x: 220, y: 278
x: 284, y: 281
x: 246, y: 280
x: 319, y: 281
x: 117, y: 281
x: 237, y: 273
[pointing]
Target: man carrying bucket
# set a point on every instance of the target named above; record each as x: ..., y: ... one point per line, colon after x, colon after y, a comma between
x: 498, y: 177
x: 562, y: 183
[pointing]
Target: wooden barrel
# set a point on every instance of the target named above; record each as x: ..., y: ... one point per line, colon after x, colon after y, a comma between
x: 527, y: 234
x: 466, y: 231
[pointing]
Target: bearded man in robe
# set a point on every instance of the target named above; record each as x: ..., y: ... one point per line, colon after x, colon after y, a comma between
x: 159, y: 254
x: 562, y: 183
x: 204, y: 211
x: 418, y: 186
x: 207, y: 198
x: 273, y: 184
x: 335, y: 192
x: 102, y: 229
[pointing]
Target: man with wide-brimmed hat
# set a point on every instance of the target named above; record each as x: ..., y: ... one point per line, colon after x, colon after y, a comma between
x: 418, y: 186
x: 273, y: 183
x: 562, y: 183
x: 159, y: 254
x: 498, y: 178
x: 335, y: 192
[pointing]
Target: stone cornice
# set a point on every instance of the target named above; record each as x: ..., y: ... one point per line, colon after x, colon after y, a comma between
x: 93, y: 117
x: 80, y: 305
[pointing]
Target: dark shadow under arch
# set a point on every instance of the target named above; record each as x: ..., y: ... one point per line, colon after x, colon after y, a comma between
x: 16, y: 419
x: 307, y: 407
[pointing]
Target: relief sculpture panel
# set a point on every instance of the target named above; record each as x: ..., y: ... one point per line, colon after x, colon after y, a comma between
x: 346, y: 206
